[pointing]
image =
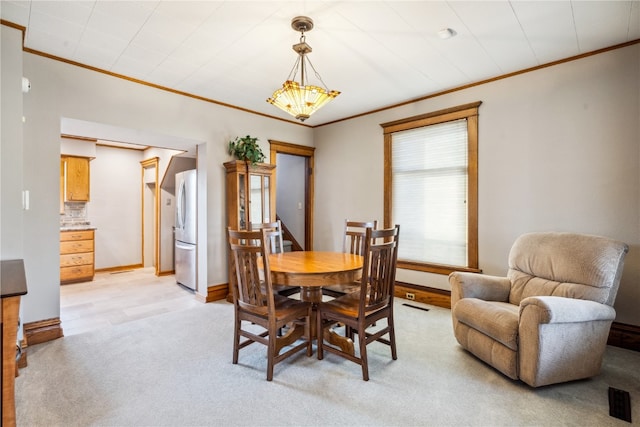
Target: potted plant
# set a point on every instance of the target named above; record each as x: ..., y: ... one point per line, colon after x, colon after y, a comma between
x: 246, y: 149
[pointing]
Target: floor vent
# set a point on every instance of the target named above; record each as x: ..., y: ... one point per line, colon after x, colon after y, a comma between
x: 413, y: 306
x: 619, y: 404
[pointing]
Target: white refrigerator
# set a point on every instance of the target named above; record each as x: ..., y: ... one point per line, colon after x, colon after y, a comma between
x: 185, y: 229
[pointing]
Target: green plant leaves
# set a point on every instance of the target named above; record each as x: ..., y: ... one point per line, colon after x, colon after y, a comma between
x: 246, y: 149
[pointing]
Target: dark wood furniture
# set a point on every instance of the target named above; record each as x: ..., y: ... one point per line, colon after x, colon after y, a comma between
x: 276, y: 244
x: 251, y: 193
x: 13, y: 285
x: 311, y: 271
x: 353, y: 243
x: 256, y: 304
x: 371, y: 304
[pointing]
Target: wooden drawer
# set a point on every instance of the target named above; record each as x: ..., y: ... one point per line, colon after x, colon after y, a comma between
x: 76, y: 246
x: 76, y: 273
x: 71, y: 260
x: 66, y: 236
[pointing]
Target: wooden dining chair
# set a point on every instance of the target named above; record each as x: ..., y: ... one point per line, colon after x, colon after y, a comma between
x: 276, y: 245
x: 353, y: 243
x: 371, y: 304
x: 256, y: 304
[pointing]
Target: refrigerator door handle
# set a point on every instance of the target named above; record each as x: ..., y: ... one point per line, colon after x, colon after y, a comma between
x: 185, y: 246
x: 181, y: 206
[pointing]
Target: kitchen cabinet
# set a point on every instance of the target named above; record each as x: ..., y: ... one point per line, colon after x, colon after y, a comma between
x: 74, y: 178
x: 251, y: 195
x: 77, y: 258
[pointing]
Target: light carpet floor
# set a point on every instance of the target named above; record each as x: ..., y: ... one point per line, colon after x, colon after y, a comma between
x: 175, y: 370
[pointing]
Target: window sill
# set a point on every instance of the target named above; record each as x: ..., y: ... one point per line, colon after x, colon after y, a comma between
x: 434, y: 268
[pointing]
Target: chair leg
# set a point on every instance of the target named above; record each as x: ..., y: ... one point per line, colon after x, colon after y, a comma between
x: 271, y: 354
x: 348, y: 332
x: 362, y: 340
x: 236, y: 341
x: 309, y: 340
x: 320, y: 333
x: 392, y: 339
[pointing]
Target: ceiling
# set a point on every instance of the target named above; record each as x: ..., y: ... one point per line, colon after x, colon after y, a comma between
x: 377, y: 53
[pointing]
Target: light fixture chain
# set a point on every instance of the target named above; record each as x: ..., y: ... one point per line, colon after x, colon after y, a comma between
x: 317, y: 74
x: 294, y: 70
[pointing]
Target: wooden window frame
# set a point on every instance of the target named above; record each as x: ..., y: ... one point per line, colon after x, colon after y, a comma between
x: 470, y: 113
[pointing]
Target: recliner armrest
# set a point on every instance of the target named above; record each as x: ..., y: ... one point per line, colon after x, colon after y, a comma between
x: 481, y: 286
x: 550, y: 309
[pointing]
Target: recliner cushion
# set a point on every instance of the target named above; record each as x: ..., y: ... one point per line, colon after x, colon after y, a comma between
x: 498, y: 320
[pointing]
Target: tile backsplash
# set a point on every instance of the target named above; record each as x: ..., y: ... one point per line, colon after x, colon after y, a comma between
x: 74, y: 213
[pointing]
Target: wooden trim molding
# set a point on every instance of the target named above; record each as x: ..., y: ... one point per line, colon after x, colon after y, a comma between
x: 43, y: 331
x: 309, y: 187
x: 214, y: 293
x: 424, y: 294
x: 118, y: 268
x: 624, y: 336
x: 152, y: 163
x: 468, y: 112
x: 366, y: 113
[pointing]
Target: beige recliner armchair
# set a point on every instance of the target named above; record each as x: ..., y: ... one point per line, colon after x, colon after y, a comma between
x: 548, y: 320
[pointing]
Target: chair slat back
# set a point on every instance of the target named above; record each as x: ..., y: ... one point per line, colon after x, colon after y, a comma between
x: 247, y: 250
x: 354, y: 235
x: 275, y: 238
x: 379, y: 269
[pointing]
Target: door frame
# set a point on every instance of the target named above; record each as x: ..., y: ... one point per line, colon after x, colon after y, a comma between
x: 308, y: 153
x: 147, y: 164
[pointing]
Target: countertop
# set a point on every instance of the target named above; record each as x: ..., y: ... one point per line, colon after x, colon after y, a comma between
x: 12, y: 279
x: 77, y: 227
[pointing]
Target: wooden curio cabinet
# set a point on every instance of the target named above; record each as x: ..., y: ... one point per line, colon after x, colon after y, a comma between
x: 251, y: 193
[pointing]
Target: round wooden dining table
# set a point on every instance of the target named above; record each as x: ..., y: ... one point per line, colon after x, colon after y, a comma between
x: 311, y: 270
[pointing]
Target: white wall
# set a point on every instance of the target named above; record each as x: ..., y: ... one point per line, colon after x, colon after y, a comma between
x: 558, y: 150
x: 115, y: 206
x: 63, y: 90
x: 290, y: 193
x: 12, y: 161
x: 11, y: 154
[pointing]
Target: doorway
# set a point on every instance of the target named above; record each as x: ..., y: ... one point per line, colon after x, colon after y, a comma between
x: 307, y: 154
x: 150, y: 214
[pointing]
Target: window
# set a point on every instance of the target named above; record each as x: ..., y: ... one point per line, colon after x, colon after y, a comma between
x: 431, y: 189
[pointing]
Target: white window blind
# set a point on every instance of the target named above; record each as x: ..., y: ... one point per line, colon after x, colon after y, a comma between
x: 429, y: 187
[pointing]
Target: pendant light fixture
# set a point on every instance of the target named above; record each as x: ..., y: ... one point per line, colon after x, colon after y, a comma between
x: 301, y: 99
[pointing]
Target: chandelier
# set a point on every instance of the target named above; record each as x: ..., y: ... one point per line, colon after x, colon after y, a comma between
x: 301, y: 99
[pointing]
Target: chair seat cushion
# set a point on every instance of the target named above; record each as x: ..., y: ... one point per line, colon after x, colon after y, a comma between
x: 498, y: 320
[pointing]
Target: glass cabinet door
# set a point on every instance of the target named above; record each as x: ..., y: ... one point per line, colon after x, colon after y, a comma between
x: 249, y: 194
x: 242, y: 214
x: 256, y: 200
x: 266, y: 198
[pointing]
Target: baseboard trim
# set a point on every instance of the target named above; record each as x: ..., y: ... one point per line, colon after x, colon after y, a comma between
x: 424, y: 294
x: 120, y: 268
x: 166, y: 273
x: 43, y: 331
x: 624, y: 336
x: 621, y: 335
x: 214, y: 293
